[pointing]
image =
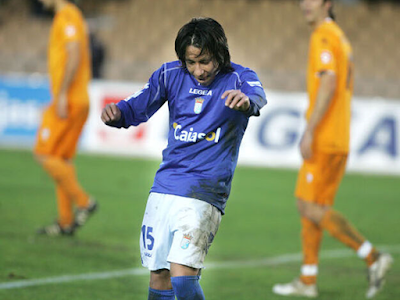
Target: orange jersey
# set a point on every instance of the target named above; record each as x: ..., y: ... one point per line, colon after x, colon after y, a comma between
x: 330, y: 51
x: 69, y: 26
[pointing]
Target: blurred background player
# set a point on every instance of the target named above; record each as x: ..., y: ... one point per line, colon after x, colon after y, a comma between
x: 210, y: 101
x: 324, y: 147
x: 63, y: 120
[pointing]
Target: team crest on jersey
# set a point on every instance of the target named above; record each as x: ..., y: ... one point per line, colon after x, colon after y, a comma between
x: 187, y: 238
x: 70, y: 31
x: 198, y: 105
x: 326, y: 57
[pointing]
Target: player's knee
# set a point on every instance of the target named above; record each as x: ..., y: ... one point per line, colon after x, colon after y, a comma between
x: 311, y: 211
x: 302, y: 208
x: 39, y: 158
x: 160, y: 279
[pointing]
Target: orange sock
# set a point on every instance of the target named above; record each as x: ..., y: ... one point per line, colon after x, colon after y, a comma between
x: 81, y: 199
x: 338, y: 226
x: 65, y: 211
x: 311, y: 241
x: 64, y: 175
x: 372, y: 257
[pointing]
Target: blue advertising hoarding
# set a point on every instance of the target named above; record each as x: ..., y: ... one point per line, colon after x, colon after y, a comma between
x: 22, y: 99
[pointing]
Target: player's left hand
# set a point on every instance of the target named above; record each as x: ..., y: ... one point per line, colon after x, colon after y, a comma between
x: 236, y: 100
x: 306, y: 145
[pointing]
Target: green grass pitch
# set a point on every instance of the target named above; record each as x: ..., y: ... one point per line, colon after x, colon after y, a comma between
x: 261, y: 225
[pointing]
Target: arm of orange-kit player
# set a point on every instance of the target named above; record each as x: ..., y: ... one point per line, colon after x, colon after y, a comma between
x: 325, y: 94
x: 71, y: 66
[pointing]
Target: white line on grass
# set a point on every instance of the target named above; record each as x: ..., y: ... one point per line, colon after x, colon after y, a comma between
x: 272, y: 261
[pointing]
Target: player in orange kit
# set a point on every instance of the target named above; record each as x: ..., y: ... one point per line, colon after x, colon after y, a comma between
x: 324, y: 147
x: 63, y: 120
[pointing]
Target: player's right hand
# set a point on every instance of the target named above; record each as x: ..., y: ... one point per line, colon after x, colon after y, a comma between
x: 110, y: 114
x: 62, y: 106
x: 306, y: 145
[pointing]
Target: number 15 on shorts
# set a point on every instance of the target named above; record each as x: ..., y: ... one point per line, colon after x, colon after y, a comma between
x: 148, y: 239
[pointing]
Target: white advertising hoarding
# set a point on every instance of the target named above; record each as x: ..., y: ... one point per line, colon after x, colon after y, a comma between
x: 145, y: 140
x: 271, y: 140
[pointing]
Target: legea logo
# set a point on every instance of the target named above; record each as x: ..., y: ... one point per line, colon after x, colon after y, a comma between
x: 194, y: 136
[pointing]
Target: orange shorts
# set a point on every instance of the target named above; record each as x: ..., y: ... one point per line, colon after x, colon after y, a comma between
x: 59, y: 137
x: 319, y: 178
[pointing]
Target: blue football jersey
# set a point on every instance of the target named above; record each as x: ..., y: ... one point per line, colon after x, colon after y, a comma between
x: 204, y: 135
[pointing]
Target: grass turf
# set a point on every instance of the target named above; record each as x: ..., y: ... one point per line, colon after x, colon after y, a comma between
x: 261, y: 221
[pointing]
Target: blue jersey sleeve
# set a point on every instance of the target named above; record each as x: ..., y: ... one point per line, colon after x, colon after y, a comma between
x: 252, y: 87
x: 139, y: 107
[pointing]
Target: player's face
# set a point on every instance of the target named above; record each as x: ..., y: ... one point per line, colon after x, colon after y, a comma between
x: 314, y: 10
x: 202, y: 67
x: 49, y: 4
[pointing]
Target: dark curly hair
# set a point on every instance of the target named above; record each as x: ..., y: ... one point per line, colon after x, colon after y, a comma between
x: 207, y: 35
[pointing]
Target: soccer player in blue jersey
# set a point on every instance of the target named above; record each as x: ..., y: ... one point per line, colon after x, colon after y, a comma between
x: 210, y: 100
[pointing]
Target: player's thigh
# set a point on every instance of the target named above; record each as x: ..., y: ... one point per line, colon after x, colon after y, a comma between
x: 332, y: 172
x: 156, y: 236
x: 50, y: 133
x: 307, y: 178
x: 195, y: 225
x: 319, y: 178
x: 68, y: 144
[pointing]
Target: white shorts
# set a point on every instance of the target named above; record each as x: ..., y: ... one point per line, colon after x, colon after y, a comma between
x: 177, y: 230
